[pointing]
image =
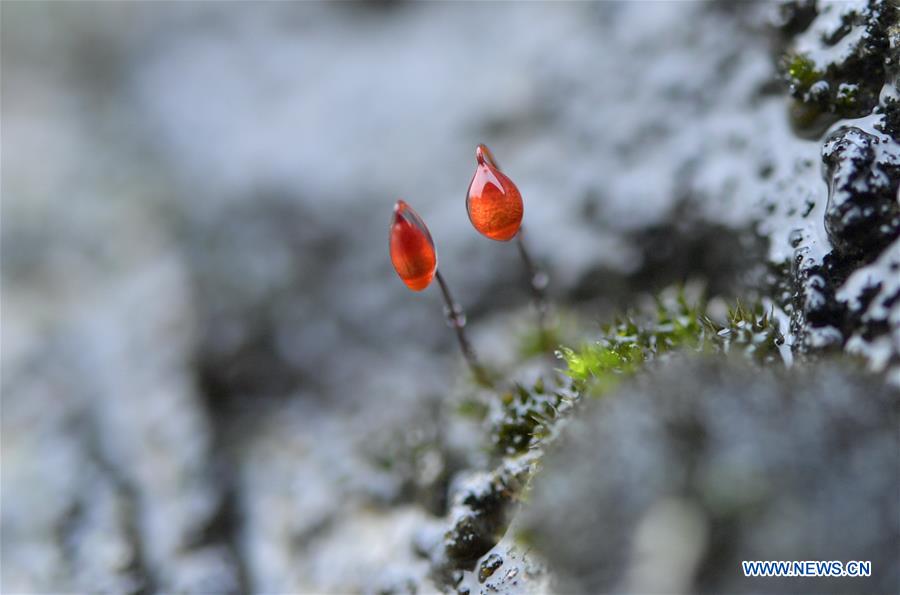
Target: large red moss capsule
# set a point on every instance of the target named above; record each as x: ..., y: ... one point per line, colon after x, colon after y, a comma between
x: 412, y: 249
x: 493, y: 202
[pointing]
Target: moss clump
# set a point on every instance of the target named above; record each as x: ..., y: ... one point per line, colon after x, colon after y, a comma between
x: 525, y: 416
x: 801, y: 73
x: 847, y: 98
x: 848, y: 55
x: 628, y: 344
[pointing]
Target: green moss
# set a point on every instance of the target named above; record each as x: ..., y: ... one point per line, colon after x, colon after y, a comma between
x: 846, y: 99
x: 627, y: 345
x: 801, y: 73
x: 525, y: 415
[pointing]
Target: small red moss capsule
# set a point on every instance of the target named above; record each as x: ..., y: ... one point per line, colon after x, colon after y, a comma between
x: 412, y: 249
x: 493, y: 202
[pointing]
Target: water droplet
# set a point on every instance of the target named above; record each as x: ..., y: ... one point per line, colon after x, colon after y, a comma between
x: 795, y: 237
x: 455, y: 317
x: 412, y: 249
x: 540, y: 280
x: 494, y: 203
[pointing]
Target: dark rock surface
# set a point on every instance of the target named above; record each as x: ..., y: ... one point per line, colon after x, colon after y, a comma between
x: 863, y: 170
x: 833, y: 46
x: 839, y: 55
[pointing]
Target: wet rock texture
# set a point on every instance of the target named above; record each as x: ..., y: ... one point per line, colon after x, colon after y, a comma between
x: 844, y: 292
x: 862, y: 216
x: 213, y: 382
x: 483, y: 505
x: 704, y: 464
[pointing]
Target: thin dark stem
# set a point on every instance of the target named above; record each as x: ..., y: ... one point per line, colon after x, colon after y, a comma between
x: 457, y: 320
x: 537, y: 279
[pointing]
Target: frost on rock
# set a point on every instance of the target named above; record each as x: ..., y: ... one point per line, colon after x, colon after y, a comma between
x: 508, y: 569
x: 872, y: 298
x: 863, y: 173
x: 482, y: 505
x: 836, y: 63
x: 842, y: 63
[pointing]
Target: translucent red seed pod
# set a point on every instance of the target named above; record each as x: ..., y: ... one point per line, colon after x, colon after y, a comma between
x: 412, y: 249
x: 494, y: 203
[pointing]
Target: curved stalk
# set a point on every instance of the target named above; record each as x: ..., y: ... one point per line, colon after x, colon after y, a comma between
x: 457, y: 319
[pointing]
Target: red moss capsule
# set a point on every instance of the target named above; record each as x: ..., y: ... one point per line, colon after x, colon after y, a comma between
x: 412, y: 249
x: 493, y: 202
